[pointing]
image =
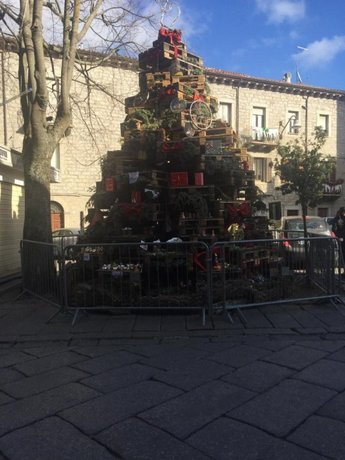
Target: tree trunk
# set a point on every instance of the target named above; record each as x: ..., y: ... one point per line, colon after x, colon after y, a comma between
x: 37, y: 157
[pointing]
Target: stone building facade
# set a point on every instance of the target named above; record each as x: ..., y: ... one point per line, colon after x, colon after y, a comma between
x: 265, y: 112
x: 262, y: 112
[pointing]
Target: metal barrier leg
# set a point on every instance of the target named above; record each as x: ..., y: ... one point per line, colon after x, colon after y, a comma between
x: 76, y: 314
x: 228, y: 315
x: 241, y: 315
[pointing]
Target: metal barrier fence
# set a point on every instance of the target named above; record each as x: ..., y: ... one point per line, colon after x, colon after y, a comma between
x: 262, y: 272
x: 137, y: 276
x: 226, y: 276
x: 42, y: 270
x: 63, y: 241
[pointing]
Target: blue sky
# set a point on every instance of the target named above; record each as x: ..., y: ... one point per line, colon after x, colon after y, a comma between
x: 261, y: 37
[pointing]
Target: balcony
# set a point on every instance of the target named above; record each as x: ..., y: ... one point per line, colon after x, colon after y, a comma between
x: 261, y: 139
x: 333, y: 190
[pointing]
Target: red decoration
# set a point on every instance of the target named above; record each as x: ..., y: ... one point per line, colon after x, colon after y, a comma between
x: 199, y: 178
x: 178, y: 179
x: 135, y: 197
x: 237, y: 212
x: 174, y: 37
x: 110, y: 184
x: 170, y: 147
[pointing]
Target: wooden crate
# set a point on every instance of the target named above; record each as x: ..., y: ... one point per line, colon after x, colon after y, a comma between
x: 189, y: 79
x: 189, y: 91
x: 158, y: 80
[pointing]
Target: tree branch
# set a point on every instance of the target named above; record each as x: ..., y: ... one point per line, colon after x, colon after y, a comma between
x: 89, y: 20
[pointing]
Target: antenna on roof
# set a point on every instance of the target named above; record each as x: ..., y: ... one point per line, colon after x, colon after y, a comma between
x: 298, y: 75
x: 302, y: 48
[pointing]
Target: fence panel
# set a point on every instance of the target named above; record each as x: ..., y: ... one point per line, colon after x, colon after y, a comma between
x: 63, y: 241
x: 156, y: 276
x: 260, y: 272
x: 42, y: 271
x: 138, y: 276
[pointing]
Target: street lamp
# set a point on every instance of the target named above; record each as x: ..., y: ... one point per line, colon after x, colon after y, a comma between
x: 295, y: 125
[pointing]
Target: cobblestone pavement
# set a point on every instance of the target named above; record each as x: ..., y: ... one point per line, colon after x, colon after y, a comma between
x: 165, y: 387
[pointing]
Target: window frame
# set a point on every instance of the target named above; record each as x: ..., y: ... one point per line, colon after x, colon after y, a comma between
x: 228, y: 106
x: 264, y: 177
x: 293, y: 122
x: 256, y: 117
x: 324, y: 126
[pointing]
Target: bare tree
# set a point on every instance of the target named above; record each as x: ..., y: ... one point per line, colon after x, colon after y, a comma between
x: 110, y: 26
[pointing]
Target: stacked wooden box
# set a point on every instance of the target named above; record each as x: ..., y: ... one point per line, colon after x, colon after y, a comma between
x: 164, y: 153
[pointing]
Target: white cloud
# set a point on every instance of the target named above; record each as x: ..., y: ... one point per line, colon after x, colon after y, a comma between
x: 321, y: 52
x: 278, y: 11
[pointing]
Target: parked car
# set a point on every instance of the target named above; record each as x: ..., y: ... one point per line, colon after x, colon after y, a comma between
x: 63, y: 237
x: 329, y: 221
x: 292, y: 232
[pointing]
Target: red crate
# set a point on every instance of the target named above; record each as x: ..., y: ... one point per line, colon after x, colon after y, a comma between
x: 199, y: 178
x: 110, y: 184
x: 178, y: 179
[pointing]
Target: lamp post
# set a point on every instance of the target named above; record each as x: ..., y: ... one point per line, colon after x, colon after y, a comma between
x: 305, y: 107
x: 283, y: 127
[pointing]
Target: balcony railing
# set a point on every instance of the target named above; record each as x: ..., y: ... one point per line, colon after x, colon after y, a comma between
x: 332, y: 189
x: 265, y: 135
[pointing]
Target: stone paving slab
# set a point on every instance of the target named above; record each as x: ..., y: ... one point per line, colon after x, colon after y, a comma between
x: 117, y: 378
x: 11, y: 357
x: 52, y: 438
x: 29, y: 386
x: 282, y: 408
x: 334, y: 408
x: 193, y: 374
x: 240, y: 355
x: 5, y: 399
x: 8, y: 375
x: 40, y: 365
x: 326, y: 373
x: 147, y: 443
x: 322, y: 435
x: 107, y: 361
x: 258, y: 376
x: 26, y: 411
x: 338, y: 355
x: 174, y: 358
x: 230, y: 439
x: 98, y: 414
x: 187, y: 413
x: 295, y: 357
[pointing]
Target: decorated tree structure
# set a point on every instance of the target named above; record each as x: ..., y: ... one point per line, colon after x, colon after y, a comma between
x: 180, y: 171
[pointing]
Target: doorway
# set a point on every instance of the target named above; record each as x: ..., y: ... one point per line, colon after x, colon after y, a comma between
x: 56, y: 215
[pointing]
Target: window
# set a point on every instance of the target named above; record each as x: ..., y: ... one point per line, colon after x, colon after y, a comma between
x: 322, y: 212
x: 259, y: 117
x: 55, y: 161
x: 323, y: 122
x: 260, y: 168
x: 224, y: 112
x: 294, y: 120
x: 292, y: 212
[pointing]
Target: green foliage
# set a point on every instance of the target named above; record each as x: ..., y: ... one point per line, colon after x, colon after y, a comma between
x: 303, y: 169
x: 145, y: 116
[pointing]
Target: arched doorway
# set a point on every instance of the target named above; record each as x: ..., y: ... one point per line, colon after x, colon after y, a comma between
x: 56, y: 215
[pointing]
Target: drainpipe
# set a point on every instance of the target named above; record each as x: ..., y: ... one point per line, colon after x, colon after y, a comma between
x: 4, y: 96
x: 238, y: 108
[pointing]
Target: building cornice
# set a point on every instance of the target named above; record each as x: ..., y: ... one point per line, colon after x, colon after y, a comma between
x: 246, y: 81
